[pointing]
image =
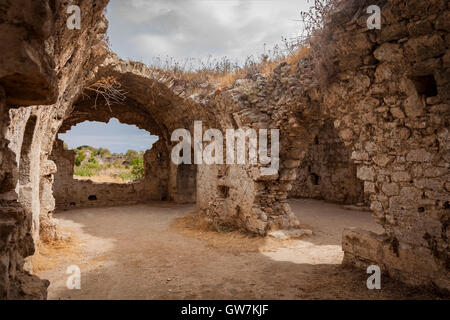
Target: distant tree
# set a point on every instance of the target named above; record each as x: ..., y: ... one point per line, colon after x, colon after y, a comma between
x: 86, y: 147
x: 131, y: 154
x: 102, y: 152
x: 65, y: 146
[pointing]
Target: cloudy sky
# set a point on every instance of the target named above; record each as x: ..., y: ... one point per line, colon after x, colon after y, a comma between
x: 115, y: 136
x: 144, y: 29
x: 184, y: 29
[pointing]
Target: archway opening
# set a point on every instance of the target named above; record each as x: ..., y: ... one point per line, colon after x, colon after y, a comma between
x: 108, y: 152
x: 107, y: 163
x: 326, y: 194
x: 327, y: 171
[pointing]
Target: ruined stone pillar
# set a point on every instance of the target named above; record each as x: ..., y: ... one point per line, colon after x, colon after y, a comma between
x: 47, y: 225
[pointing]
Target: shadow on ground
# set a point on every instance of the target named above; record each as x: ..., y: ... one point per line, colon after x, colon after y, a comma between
x: 133, y: 252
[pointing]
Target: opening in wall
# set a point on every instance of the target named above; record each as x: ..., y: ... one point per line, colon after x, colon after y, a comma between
x: 327, y: 172
x: 108, y: 152
x: 186, y: 183
x: 426, y: 85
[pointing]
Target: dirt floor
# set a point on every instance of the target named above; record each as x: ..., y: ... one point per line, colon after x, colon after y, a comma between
x: 111, y: 175
x: 159, y: 251
x: 103, y: 179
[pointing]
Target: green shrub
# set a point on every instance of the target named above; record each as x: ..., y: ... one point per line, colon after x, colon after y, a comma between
x: 117, y: 163
x: 83, y: 172
x: 126, y: 176
x: 92, y: 164
x: 79, y: 158
x: 138, y: 168
x: 92, y: 167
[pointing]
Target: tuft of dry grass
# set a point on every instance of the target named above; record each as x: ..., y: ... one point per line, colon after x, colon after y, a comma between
x: 109, y: 175
x: 301, y: 53
x: 231, y: 241
x: 224, y: 80
x: 223, y: 73
x: 51, y: 255
x: 298, y: 55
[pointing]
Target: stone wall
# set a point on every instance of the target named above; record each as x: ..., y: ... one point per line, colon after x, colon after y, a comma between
x: 43, y: 63
x: 327, y: 171
x: 392, y: 86
x: 387, y: 93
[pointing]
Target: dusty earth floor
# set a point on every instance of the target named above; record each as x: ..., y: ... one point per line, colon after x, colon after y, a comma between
x: 152, y: 251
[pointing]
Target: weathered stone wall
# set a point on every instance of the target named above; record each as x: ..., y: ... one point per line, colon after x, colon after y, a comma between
x: 387, y: 93
x: 43, y: 63
x: 327, y: 171
x: 392, y: 86
x: 16, y: 240
x: 227, y: 194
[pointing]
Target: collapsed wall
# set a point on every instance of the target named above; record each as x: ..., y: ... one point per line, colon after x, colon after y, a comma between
x: 72, y: 193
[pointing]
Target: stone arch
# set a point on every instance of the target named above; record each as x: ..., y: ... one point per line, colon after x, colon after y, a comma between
x: 151, y: 103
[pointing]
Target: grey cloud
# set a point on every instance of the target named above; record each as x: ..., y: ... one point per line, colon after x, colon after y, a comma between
x: 142, y: 29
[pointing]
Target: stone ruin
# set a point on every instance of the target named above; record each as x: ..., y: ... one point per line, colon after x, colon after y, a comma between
x: 373, y: 131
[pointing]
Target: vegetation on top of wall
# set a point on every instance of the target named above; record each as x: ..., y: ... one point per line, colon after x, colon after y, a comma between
x: 223, y: 72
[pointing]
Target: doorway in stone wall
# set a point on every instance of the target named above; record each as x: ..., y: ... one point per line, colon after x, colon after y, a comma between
x: 186, y: 183
x: 327, y: 172
x: 327, y: 197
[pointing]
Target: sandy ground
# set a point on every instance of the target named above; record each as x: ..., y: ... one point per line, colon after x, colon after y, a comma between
x: 102, y: 179
x: 111, y: 175
x: 152, y: 252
